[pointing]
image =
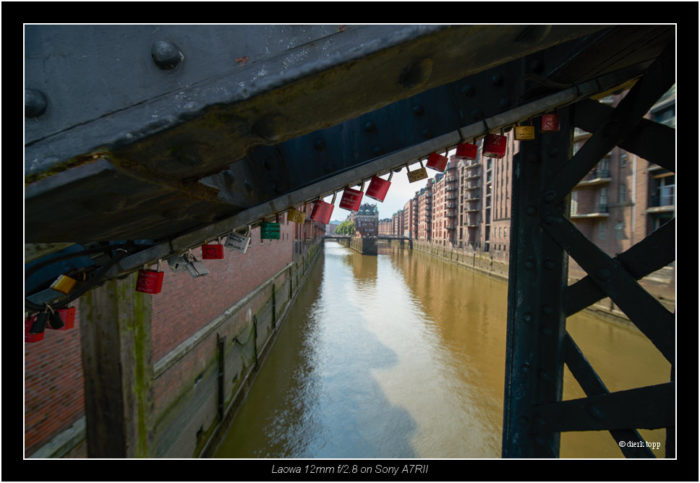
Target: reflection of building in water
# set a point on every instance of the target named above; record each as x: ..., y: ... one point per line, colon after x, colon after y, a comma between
x: 366, y: 220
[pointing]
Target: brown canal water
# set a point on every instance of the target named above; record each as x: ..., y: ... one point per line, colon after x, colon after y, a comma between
x: 401, y: 355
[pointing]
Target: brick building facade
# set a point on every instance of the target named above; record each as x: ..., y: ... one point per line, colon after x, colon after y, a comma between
x: 621, y: 201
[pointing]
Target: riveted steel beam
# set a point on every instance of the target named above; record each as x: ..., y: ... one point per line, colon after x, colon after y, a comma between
x: 619, y: 125
x: 592, y: 385
x: 248, y: 85
x: 649, y: 140
x: 642, y: 308
x: 649, y: 407
x: 653, y: 253
x: 536, y: 281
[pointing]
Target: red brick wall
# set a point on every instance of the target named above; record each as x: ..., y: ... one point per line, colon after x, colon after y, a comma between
x: 53, y: 385
x: 187, y: 304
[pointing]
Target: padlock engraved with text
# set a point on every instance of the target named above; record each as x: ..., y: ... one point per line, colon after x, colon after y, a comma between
x: 416, y: 174
x: 236, y: 241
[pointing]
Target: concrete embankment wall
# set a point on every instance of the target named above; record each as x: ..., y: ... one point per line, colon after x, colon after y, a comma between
x: 214, y: 368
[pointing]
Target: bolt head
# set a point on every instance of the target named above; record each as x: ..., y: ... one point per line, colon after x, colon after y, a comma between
x: 166, y: 55
x: 34, y: 103
x: 497, y: 79
x: 319, y: 145
x: 418, y: 110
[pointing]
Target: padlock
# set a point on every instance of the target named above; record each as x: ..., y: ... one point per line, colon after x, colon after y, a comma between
x: 212, y: 251
x: 269, y: 231
x: 322, y: 211
x: 30, y: 336
x: 379, y: 187
x: 436, y: 161
x: 236, y: 241
x: 68, y: 317
x: 64, y: 284
x: 296, y: 216
x: 495, y: 146
x: 416, y: 174
x: 55, y: 319
x: 524, y: 133
x: 466, y: 150
x: 550, y: 122
x: 177, y: 263
x: 196, y: 268
x: 351, y: 199
x: 150, y: 281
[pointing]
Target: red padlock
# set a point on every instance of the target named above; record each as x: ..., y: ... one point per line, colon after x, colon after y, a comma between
x: 378, y: 187
x: 68, y: 316
x: 495, y: 146
x: 322, y: 211
x: 351, y: 199
x: 212, y: 251
x: 436, y: 161
x: 466, y: 151
x: 28, y: 336
x: 150, y: 281
x: 550, y: 122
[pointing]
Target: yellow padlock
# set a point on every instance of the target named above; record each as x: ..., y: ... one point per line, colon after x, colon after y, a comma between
x: 416, y: 174
x: 524, y: 133
x: 64, y: 284
x: 296, y: 216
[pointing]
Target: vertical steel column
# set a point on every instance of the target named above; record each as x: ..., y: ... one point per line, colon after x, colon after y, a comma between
x: 536, y: 285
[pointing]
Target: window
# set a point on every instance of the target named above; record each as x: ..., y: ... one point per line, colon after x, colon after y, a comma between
x: 623, y: 158
x: 622, y: 193
x: 666, y: 115
x: 602, y: 234
x: 603, y: 200
x: 619, y: 230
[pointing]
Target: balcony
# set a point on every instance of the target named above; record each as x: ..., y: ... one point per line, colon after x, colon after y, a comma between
x: 662, y: 201
x: 600, y: 211
x: 596, y: 177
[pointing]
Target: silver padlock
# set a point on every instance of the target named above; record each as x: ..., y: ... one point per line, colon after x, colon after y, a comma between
x: 196, y: 268
x: 236, y: 241
x: 177, y: 263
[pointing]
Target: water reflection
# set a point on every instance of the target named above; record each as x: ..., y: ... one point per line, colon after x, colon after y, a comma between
x: 402, y: 355
x: 315, y: 396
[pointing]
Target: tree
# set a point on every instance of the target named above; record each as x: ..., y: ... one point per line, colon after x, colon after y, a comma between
x: 346, y: 228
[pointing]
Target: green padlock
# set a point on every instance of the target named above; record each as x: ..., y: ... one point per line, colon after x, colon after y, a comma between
x: 269, y: 231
